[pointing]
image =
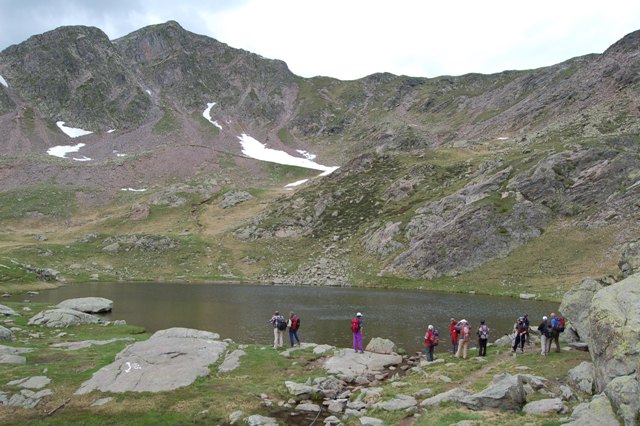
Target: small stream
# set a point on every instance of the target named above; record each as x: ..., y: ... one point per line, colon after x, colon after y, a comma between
x: 241, y: 311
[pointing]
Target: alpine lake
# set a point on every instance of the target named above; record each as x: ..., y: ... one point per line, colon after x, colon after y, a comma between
x: 241, y: 311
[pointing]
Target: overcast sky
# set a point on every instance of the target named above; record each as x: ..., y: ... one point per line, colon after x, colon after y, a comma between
x: 349, y: 39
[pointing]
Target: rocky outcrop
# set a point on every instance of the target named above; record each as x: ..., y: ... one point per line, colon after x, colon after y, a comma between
x: 12, y: 355
x: 400, y: 402
x: 90, y: 305
x: 62, y: 318
x: 546, y: 406
x: 142, y: 243
x: 231, y: 361
x: 83, y: 344
x: 170, y: 359
x: 630, y: 260
x: 455, y: 395
x: 346, y: 362
x: 576, y: 306
x: 35, y: 382
x: 614, y: 322
x: 233, y: 198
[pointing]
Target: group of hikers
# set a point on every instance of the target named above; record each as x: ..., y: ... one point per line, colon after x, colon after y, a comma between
x: 460, y: 331
x: 280, y: 325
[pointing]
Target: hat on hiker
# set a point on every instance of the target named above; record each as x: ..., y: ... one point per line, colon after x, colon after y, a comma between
x: 430, y: 327
x: 358, y: 314
x: 544, y: 318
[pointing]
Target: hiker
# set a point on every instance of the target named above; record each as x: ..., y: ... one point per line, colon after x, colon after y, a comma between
x: 294, y: 325
x: 555, y: 323
x: 546, y: 334
x: 356, y: 329
x: 463, y: 339
x: 483, y: 337
x: 520, y: 332
x: 279, y: 326
x: 454, y: 336
x: 431, y: 340
x: 525, y: 319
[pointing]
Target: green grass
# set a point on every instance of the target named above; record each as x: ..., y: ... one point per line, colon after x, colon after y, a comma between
x: 167, y: 124
x: 49, y: 200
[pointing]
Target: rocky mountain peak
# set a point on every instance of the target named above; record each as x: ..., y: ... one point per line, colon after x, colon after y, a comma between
x: 627, y: 44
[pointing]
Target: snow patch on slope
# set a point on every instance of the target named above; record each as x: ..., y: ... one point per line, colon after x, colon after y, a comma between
x: 257, y: 150
x: 61, y: 151
x: 207, y: 114
x: 72, y: 132
x: 3, y: 81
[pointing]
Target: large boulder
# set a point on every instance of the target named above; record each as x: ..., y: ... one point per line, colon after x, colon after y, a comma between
x: 165, y: 362
x: 506, y: 393
x: 7, y: 311
x: 381, y: 346
x: 90, y: 305
x: 624, y: 394
x: 614, y: 323
x: 61, y: 318
x: 400, y: 402
x: 581, y: 377
x: 598, y: 412
x: 576, y: 305
x: 5, y: 334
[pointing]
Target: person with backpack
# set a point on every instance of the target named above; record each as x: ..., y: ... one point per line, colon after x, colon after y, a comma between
x: 454, y: 335
x: 294, y: 325
x: 520, y: 331
x: 555, y: 322
x: 431, y: 340
x: 546, y: 334
x: 463, y: 339
x: 356, y: 329
x: 483, y: 338
x: 279, y: 326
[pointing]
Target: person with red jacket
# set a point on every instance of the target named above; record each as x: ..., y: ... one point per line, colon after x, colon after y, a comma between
x: 454, y: 336
x: 356, y: 329
x: 429, y: 341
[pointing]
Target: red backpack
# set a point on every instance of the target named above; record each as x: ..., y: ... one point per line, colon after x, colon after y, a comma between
x: 295, y: 323
x: 560, y: 325
x: 355, y: 325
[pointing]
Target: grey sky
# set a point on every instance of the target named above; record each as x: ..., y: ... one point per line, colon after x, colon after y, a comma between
x: 351, y: 39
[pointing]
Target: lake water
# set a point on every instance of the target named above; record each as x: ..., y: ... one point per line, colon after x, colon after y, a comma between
x: 241, y: 312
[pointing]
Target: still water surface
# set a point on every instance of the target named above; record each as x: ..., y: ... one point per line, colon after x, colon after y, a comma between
x: 241, y: 312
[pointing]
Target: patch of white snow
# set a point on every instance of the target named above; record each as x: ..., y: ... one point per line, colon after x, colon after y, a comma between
x: 133, y: 190
x: 111, y: 130
x: 207, y: 114
x: 257, y: 150
x: 71, y: 131
x: 503, y: 138
x: 148, y: 92
x: 61, y: 151
x: 306, y: 154
x: 296, y: 183
x: 118, y: 153
x: 83, y: 158
x: 3, y: 81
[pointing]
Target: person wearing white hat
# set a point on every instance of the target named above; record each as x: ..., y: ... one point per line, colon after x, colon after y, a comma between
x: 356, y: 329
x: 546, y: 335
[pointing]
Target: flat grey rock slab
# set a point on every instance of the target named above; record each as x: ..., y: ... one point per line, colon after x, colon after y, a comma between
x: 35, y: 382
x: 370, y: 421
x: 164, y: 362
x: 231, y: 361
x: 257, y: 420
x: 400, y: 402
x: 27, y: 398
x: 348, y: 362
x: 62, y: 318
x: 12, y: 355
x: 7, y: 311
x: 546, y: 406
x: 90, y: 305
x: 308, y: 407
x: 455, y: 394
x: 182, y: 332
x: 598, y: 412
x: 101, y: 401
x: 83, y: 344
